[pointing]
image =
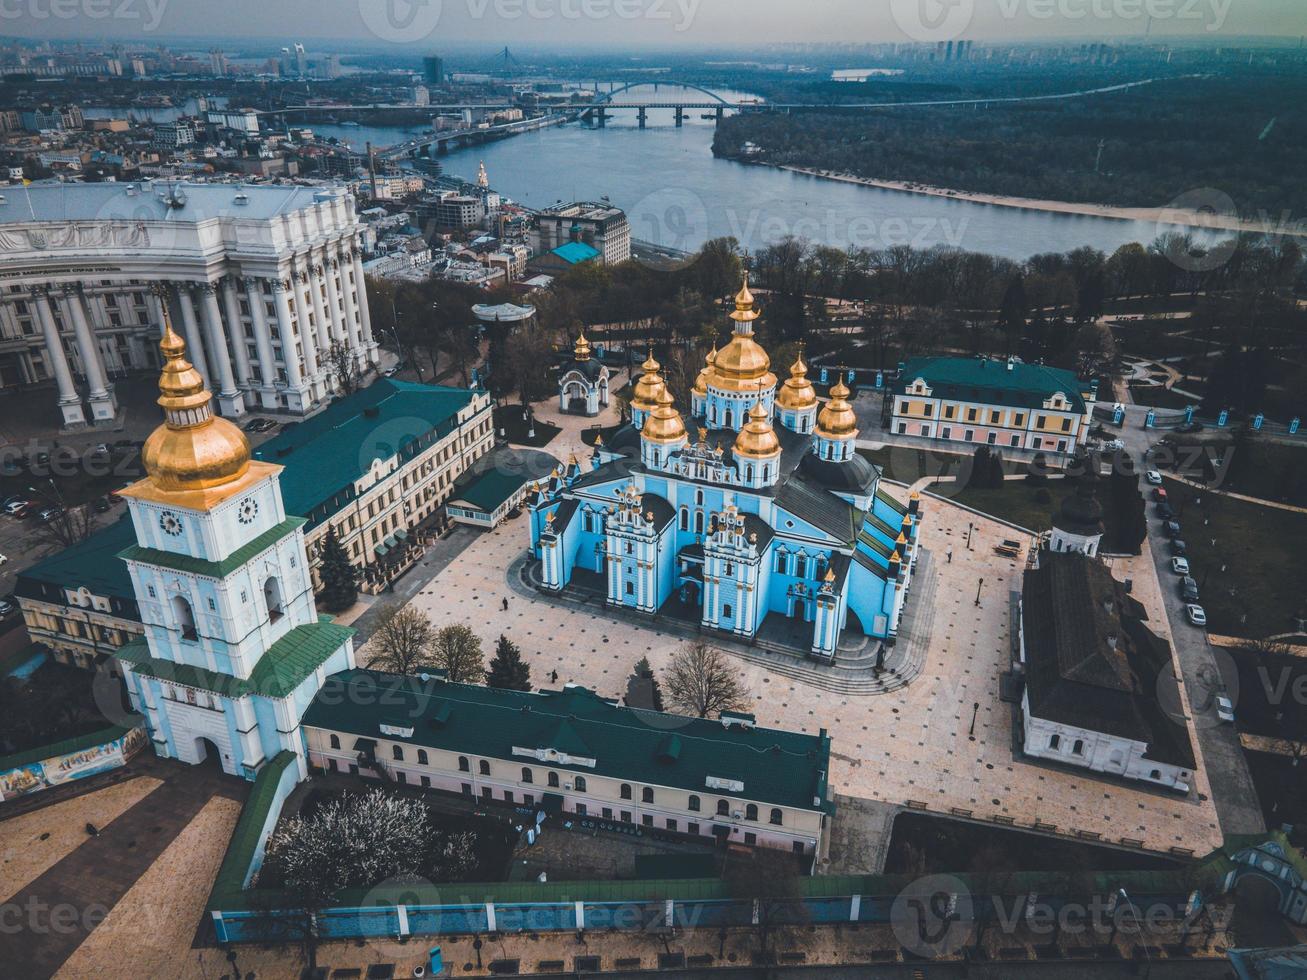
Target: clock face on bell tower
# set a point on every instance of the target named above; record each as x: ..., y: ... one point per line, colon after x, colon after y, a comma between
x: 247, y: 510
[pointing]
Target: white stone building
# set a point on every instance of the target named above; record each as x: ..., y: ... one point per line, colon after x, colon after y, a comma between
x: 261, y: 281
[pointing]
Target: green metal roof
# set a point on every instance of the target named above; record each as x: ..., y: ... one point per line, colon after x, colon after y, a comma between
x: 213, y: 569
x: 93, y: 563
x: 325, y: 454
x: 576, y: 252
x: 279, y: 671
x: 248, y: 834
x: 491, y: 489
x: 777, y: 767
x: 991, y: 382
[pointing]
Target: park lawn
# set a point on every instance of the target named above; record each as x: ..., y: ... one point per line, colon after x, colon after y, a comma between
x: 1261, y: 548
x: 1256, y: 467
x: 1017, y: 501
x: 1157, y: 396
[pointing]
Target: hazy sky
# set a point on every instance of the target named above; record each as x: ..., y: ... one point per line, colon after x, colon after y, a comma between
x: 631, y: 23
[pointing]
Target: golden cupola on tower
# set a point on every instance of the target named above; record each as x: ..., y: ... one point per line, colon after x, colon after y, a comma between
x: 706, y: 375
x: 757, y: 440
x: 797, y: 393
x: 193, y: 449
x: 650, y: 385
x: 837, y: 419
x: 664, y: 424
x: 742, y: 365
x: 582, y: 350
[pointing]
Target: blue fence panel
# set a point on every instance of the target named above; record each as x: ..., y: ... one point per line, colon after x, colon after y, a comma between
x: 828, y: 909
x: 535, y: 918
x: 447, y: 920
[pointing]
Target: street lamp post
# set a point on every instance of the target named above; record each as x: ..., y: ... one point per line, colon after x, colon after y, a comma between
x: 1148, y: 958
x: 975, y: 710
x: 979, y: 585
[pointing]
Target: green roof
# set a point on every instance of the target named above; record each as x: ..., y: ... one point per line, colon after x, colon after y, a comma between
x: 245, y: 839
x: 213, y: 569
x: 777, y: 767
x: 576, y: 252
x: 491, y: 489
x: 325, y: 454
x: 93, y: 563
x: 66, y: 747
x: 279, y: 671
x: 992, y: 382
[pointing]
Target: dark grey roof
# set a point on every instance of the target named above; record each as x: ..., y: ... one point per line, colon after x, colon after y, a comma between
x: 663, y: 512
x: 1081, y: 513
x: 563, y: 516
x: 1090, y: 661
x: 857, y: 475
x: 818, y: 506
x: 753, y: 524
x: 591, y: 369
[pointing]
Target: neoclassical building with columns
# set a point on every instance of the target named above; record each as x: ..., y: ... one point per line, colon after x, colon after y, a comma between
x: 264, y: 281
x: 763, y: 523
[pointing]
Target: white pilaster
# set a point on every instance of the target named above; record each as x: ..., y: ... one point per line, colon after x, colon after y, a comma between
x: 70, y: 402
x: 229, y: 398
x: 263, y: 341
x: 190, y: 326
x: 236, y: 330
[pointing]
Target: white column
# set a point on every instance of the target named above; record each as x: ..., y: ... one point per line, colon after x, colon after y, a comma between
x: 339, y: 311
x: 320, y: 319
x: 365, y: 317
x: 229, y: 398
x: 294, y: 377
x: 308, y: 331
x: 103, y: 405
x: 70, y: 403
x: 262, y: 339
x: 194, y: 345
x: 236, y: 328
x: 352, y: 314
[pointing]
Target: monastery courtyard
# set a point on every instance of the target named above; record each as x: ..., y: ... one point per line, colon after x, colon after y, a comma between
x: 910, y: 746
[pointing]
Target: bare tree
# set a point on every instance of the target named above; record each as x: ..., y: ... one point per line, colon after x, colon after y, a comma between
x: 343, y: 366
x: 405, y: 642
x: 702, y: 681
x: 767, y: 887
x: 458, y: 653
x: 67, y: 527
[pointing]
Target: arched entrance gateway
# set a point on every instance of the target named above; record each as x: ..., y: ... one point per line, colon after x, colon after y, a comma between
x: 208, y: 754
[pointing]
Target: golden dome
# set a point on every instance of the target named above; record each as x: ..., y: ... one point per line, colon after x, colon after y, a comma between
x: 837, y: 420
x: 706, y: 375
x: 757, y: 439
x: 664, y: 423
x: 744, y: 311
x: 797, y: 392
x: 193, y: 449
x: 647, y: 389
x: 582, y: 348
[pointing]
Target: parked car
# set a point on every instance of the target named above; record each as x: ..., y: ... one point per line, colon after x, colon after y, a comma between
x: 13, y: 498
x: 1180, y: 566
x: 1160, y: 495
x: 260, y: 425
x: 101, y: 505
x: 100, y: 449
x: 7, y: 609
x: 1164, y: 511
x: 47, y: 514
x: 1224, y: 708
x: 3, y: 559
x: 18, y: 508
x: 1191, y: 427
x: 390, y: 372
x: 1188, y: 589
x: 1172, y: 529
x: 1113, y: 446
x: 1178, y: 547
x: 1153, y: 477
x: 1197, y: 614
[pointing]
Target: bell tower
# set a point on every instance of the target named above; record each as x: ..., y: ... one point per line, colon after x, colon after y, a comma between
x: 233, y: 647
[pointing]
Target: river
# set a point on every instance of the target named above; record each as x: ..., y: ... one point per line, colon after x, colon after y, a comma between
x: 677, y: 194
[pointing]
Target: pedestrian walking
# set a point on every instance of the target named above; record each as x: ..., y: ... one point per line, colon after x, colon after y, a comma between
x: 505, y: 603
x: 950, y: 555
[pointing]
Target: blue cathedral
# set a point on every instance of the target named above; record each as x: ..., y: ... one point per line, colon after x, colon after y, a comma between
x: 765, y: 523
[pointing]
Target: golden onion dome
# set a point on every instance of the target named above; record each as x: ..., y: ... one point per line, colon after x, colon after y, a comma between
x: 742, y: 365
x: 582, y: 348
x: 664, y: 423
x: 837, y: 419
x: 193, y: 449
x: 757, y: 439
x: 706, y: 375
x: 744, y: 311
x: 797, y: 393
x: 650, y: 385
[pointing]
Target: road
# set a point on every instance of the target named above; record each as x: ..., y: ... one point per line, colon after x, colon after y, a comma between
x: 1227, y: 769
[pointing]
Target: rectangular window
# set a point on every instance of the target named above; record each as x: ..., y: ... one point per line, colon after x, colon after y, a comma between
x: 1016, y: 440
x: 903, y: 408
x: 671, y: 825
x: 486, y: 793
x: 925, y: 430
x: 580, y: 810
x: 692, y: 828
x: 608, y: 813
x: 950, y: 411
x: 1041, y: 422
x: 970, y: 435
x: 1066, y: 425
x: 750, y: 838
x: 1019, y: 418
x: 626, y: 816
x: 928, y: 409
x: 508, y: 796
x: 726, y: 611
x: 946, y: 433
x: 903, y: 428
x: 630, y: 588
x: 993, y: 438
x: 971, y: 415
x: 647, y: 820
x: 993, y: 418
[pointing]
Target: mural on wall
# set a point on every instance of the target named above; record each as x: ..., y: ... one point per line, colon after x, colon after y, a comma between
x: 59, y: 769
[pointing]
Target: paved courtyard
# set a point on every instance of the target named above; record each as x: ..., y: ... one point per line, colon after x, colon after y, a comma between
x: 908, y: 746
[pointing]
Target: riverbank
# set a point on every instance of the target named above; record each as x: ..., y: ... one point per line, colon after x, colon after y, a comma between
x: 1204, y: 220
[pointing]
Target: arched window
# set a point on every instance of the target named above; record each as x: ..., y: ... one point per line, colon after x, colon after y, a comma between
x: 464, y: 765
x: 694, y: 803
x: 766, y: 473
x: 185, y: 616
x: 397, y: 753
x: 803, y: 424
x: 751, y: 812
x: 801, y: 566
x: 335, y: 741
x: 553, y: 778
x: 723, y: 808
x: 527, y: 777
x: 579, y: 784
x: 685, y: 519
x: 646, y: 795
x: 698, y: 497
x: 748, y: 473
x: 728, y: 419
x: 626, y: 791
x: 485, y: 767
x: 776, y: 815
x: 1054, y: 741
x: 272, y: 598
x: 698, y: 522
x: 780, y: 562
x: 1078, y: 747
x: 422, y: 757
